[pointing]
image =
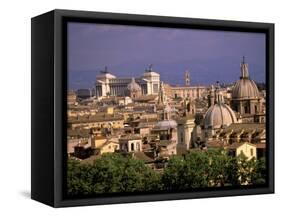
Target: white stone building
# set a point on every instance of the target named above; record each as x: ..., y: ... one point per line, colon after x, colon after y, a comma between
x: 108, y: 84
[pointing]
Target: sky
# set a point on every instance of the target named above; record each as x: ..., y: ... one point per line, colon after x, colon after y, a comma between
x: 127, y: 51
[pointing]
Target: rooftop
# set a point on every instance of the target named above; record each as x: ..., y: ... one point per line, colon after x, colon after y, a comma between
x: 130, y: 137
x: 95, y: 118
x: 142, y: 156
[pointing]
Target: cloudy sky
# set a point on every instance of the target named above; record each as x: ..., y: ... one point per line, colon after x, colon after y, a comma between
x: 128, y: 50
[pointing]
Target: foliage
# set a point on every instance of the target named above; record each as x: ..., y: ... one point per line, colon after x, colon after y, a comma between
x: 258, y: 175
x: 113, y: 173
x: 185, y: 172
x: 79, y: 178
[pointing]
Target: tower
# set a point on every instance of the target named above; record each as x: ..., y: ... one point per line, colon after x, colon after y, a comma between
x: 187, y: 78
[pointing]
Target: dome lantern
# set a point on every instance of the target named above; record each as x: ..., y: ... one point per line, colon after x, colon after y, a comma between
x: 244, y: 69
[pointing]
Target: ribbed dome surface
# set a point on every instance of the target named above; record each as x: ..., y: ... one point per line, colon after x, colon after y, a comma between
x: 219, y: 115
x: 245, y: 88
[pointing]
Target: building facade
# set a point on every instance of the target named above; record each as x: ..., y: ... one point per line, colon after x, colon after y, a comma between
x: 108, y: 84
x: 186, y: 91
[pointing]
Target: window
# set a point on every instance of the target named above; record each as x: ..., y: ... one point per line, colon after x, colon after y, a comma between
x: 132, y: 146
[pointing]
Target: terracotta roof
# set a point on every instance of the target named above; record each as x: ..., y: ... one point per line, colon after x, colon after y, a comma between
x: 165, y: 142
x: 143, y: 156
x: 261, y: 145
x: 215, y: 144
x: 130, y: 137
x: 245, y: 126
x: 83, y: 133
x: 146, y: 98
x: 95, y: 118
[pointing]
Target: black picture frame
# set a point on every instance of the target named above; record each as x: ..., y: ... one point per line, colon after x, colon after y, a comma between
x: 49, y: 86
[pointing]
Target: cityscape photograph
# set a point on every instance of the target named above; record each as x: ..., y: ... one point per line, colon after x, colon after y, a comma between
x: 154, y: 109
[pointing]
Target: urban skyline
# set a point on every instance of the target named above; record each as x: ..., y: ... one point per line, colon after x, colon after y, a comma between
x: 140, y: 132
x: 128, y: 50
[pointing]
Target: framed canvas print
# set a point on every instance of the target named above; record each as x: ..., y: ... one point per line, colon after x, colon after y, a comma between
x: 134, y: 108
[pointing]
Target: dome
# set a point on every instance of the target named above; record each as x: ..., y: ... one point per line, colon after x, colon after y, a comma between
x: 133, y: 86
x: 219, y: 115
x: 245, y: 88
x: 166, y: 124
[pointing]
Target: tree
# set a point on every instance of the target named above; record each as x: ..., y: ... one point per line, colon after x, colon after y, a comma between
x: 190, y: 171
x: 249, y: 171
x: 111, y: 173
x: 259, y: 173
x: 115, y: 173
x: 221, y: 168
x: 79, y: 178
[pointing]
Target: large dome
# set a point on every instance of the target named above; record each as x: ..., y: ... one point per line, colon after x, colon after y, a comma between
x: 245, y: 88
x: 219, y: 115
